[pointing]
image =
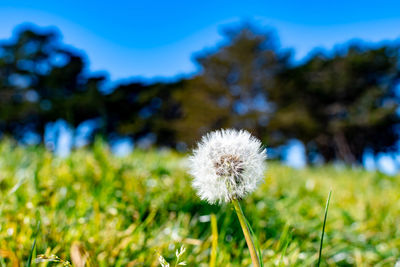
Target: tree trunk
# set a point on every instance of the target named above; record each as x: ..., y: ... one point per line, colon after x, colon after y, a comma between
x: 343, y: 148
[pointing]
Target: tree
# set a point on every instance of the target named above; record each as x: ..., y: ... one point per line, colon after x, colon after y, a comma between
x: 230, y: 89
x: 136, y: 110
x: 41, y: 80
x: 340, y: 105
x: 337, y: 105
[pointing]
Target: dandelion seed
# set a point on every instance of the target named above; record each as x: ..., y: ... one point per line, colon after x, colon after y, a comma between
x: 227, y: 165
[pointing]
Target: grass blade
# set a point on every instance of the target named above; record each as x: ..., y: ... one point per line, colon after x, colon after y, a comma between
x: 29, y: 261
x: 323, y: 228
x: 287, y: 239
x: 283, y: 253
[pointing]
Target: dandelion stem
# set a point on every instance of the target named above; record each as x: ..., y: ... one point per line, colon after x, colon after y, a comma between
x: 246, y: 233
x: 214, y: 243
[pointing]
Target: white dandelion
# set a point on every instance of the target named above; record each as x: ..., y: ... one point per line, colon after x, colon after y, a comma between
x: 227, y: 165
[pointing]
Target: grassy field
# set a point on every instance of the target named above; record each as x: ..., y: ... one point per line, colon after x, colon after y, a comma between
x: 126, y: 211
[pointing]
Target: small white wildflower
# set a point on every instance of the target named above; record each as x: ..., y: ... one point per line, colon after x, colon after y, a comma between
x: 226, y: 165
x: 180, y: 252
x: 162, y: 261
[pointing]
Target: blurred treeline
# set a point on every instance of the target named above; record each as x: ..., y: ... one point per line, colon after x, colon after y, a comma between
x: 338, y: 103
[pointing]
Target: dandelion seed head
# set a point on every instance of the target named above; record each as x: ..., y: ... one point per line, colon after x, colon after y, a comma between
x: 227, y: 164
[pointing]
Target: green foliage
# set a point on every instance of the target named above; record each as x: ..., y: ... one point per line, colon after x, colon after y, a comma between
x: 231, y: 88
x: 33, y: 249
x: 127, y: 210
x: 41, y: 81
x: 339, y: 104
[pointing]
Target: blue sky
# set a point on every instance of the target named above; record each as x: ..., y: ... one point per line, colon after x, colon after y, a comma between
x: 157, y: 38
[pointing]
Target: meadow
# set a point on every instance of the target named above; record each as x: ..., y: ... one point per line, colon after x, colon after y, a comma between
x: 126, y: 211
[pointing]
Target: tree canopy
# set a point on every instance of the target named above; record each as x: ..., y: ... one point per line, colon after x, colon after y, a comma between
x: 338, y: 104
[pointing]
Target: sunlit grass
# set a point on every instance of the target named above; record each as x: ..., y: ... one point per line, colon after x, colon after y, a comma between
x: 120, y: 211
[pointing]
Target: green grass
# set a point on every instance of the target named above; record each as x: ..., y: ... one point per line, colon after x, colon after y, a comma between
x: 124, y: 211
